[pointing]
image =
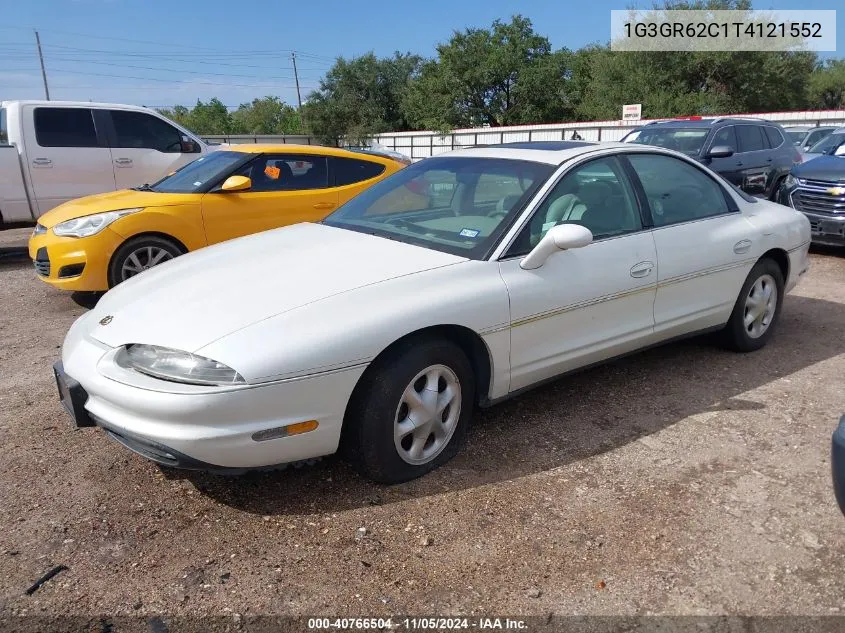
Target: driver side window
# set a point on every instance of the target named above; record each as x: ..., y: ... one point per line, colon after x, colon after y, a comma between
x: 140, y: 130
x: 595, y: 194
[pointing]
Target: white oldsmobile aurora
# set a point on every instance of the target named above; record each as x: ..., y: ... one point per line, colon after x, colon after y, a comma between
x: 459, y: 281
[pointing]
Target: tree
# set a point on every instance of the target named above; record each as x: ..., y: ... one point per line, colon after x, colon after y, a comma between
x: 361, y: 97
x: 504, y: 75
x: 827, y: 85
x: 269, y: 115
x: 204, y: 118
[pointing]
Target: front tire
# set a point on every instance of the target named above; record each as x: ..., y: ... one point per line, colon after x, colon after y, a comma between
x: 757, y: 308
x: 140, y: 253
x: 411, y: 412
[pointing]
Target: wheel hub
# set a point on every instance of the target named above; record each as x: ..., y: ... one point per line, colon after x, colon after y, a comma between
x: 760, y: 306
x: 427, y: 414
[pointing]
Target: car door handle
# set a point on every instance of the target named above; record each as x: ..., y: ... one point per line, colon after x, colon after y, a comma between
x: 42, y: 162
x: 739, y: 164
x: 768, y: 160
x: 742, y: 246
x: 324, y: 205
x: 123, y: 162
x: 643, y: 269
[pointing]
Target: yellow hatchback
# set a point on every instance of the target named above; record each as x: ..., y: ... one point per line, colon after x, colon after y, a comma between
x: 96, y: 242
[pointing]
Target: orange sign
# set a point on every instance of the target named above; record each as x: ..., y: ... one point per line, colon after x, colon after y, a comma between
x: 272, y: 172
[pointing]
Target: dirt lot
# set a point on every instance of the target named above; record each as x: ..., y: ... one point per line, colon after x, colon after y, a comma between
x: 685, y: 480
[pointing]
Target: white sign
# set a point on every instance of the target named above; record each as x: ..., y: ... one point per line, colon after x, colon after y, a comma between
x: 632, y: 112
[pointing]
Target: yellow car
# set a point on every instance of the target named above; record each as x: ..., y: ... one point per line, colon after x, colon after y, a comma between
x: 96, y: 242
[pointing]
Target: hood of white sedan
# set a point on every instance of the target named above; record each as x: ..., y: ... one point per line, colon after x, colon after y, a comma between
x: 195, y: 299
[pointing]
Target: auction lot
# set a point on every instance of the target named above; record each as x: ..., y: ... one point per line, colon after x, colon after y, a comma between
x: 683, y: 480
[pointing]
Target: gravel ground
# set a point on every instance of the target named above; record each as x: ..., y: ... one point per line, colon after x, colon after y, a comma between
x: 684, y: 480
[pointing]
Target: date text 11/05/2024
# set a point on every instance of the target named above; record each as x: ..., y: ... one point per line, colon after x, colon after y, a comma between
x: 417, y: 624
x: 724, y: 29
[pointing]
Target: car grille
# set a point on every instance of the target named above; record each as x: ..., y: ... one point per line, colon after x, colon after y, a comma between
x: 814, y: 196
x: 42, y: 262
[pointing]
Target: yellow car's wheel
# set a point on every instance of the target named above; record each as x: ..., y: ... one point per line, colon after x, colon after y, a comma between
x: 139, y: 254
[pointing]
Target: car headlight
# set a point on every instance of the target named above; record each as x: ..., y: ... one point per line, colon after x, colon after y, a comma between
x: 177, y: 366
x: 790, y: 181
x: 90, y: 224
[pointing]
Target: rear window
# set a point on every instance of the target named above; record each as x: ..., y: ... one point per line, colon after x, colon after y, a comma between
x: 774, y: 136
x: 348, y: 171
x: 65, y: 127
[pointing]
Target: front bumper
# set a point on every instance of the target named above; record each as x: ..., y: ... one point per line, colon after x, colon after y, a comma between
x: 71, y: 263
x: 825, y: 228
x: 837, y: 462
x: 210, y: 428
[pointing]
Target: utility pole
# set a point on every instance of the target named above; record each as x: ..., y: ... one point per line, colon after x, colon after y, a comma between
x: 43, y: 71
x: 296, y: 76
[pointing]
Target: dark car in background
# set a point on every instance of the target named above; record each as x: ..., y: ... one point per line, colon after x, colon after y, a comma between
x: 837, y: 463
x: 805, y: 136
x: 817, y: 189
x: 754, y: 154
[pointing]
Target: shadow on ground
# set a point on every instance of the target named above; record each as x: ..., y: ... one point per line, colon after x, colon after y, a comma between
x: 573, y: 418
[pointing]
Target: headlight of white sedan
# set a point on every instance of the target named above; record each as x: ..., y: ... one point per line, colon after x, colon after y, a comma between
x: 90, y: 224
x: 177, y: 366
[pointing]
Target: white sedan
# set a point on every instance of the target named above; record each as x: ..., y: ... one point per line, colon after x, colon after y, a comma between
x: 461, y: 280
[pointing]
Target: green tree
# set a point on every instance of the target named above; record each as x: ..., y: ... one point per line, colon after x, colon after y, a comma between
x: 504, y: 75
x: 826, y: 88
x: 361, y: 97
x: 269, y: 115
x: 204, y: 118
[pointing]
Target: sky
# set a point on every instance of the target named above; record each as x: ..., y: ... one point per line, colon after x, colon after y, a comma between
x: 162, y: 53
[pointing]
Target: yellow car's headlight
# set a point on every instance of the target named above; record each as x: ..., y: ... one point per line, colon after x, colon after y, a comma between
x: 90, y: 224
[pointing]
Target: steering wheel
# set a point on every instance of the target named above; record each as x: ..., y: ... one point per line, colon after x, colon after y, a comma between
x: 497, y: 214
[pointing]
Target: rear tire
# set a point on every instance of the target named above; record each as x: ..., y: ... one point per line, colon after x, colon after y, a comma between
x: 410, y: 413
x: 757, y: 308
x: 140, y: 253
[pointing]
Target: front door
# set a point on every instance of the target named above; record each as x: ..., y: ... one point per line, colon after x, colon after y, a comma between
x: 286, y: 189
x: 588, y: 304
x: 66, y: 154
x: 705, y: 246
x: 145, y: 148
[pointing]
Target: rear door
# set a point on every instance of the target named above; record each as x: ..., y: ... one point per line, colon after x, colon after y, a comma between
x: 145, y: 148
x: 705, y: 246
x: 755, y: 159
x: 67, y: 154
x: 286, y: 189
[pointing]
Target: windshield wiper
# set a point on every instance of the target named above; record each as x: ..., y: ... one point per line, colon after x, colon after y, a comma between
x: 144, y: 187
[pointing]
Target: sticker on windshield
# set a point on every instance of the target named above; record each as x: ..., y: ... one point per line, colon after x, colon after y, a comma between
x: 469, y: 233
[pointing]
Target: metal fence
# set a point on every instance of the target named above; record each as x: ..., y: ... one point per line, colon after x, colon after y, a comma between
x: 418, y: 145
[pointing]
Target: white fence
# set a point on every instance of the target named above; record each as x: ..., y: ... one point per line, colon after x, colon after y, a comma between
x: 418, y: 145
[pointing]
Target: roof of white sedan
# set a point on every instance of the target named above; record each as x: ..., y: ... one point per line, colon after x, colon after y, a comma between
x: 551, y: 152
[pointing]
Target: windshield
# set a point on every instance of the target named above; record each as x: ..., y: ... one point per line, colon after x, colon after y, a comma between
x: 197, y: 176
x: 796, y: 136
x: 680, y: 139
x: 459, y: 205
x: 828, y: 144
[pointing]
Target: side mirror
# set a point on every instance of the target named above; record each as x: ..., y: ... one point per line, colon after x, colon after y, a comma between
x: 236, y: 183
x: 189, y: 145
x: 720, y: 151
x: 559, y: 238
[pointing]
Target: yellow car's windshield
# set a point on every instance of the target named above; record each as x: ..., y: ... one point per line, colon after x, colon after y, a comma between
x: 202, y: 174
